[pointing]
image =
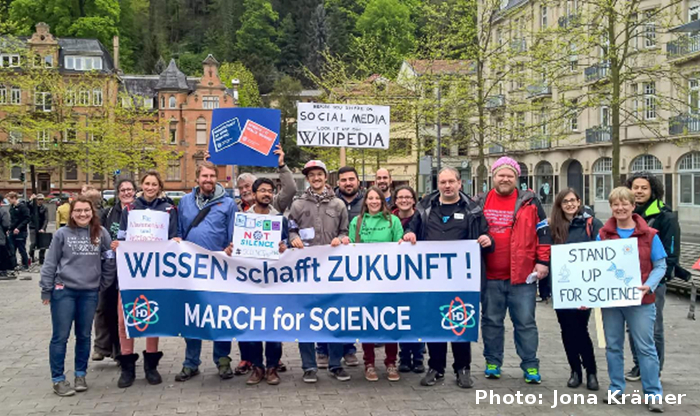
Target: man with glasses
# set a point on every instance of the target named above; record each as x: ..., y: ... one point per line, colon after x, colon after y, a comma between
x: 106, y: 315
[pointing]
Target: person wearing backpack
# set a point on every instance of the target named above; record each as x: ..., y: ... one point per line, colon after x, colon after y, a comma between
x: 376, y: 224
x: 570, y: 223
x: 648, y: 197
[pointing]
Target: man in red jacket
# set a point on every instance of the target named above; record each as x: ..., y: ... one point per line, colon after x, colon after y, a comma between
x: 518, y: 225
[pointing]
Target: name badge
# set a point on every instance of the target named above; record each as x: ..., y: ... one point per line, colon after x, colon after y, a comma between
x: 459, y: 216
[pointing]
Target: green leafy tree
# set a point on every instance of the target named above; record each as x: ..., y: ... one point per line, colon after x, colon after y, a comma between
x: 248, y: 93
x: 288, y: 43
x: 284, y: 97
x: 255, y: 41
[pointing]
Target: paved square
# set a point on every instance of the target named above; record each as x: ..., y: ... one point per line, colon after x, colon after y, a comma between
x: 25, y: 385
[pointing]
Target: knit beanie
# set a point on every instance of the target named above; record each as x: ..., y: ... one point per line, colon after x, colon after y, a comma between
x: 505, y: 163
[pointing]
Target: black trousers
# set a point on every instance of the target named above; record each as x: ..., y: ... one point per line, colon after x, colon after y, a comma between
x: 107, y: 322
x: 577, y: 340
x: 461, y: 351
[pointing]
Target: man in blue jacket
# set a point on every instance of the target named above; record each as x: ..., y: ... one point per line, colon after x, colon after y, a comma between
x: 202, y: 213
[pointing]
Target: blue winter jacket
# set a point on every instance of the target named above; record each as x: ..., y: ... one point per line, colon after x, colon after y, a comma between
x: 215, y: 232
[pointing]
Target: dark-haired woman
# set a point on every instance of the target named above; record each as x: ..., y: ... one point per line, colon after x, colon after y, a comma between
x: 78, y: 264
x: 570, y: 223
x: 153, y: 198
x: 648, y: 197
x: 376, y: 224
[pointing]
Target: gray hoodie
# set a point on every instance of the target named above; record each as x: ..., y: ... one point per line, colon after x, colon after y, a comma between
x: 73, y: 261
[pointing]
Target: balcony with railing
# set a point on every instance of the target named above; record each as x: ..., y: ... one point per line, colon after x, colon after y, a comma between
x: 683, y: 46
x: 597, y: 72
x: 539, y: 90
x: 684, y: 124
x: 496, y: 148
x: 571, y: 20
x: 540, y: 142
x: 600, y: 134
x: 495, y: 101
x: 518, y: 45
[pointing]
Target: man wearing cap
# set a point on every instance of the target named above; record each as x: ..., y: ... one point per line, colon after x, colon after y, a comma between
x: 318, y: 218
x: 518, y: 225
x: 38, y: 223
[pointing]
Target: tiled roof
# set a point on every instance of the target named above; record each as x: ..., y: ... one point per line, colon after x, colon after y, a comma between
x: 172, y: 79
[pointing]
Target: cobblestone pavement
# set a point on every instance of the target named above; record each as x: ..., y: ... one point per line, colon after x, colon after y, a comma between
x: 25, y: 386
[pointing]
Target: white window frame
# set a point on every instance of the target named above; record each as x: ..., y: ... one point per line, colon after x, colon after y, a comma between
x: 602, y: 172
x: 693, y: 96
x: 14, y: 177
x: 97, y: 99
x: 647, y: 163
x: 148, y: 103
x: 14, y: 136
x: 689, y: 172
x: 82, y: 63
x: 201, y: 135
x: 543, y: 17
x: 42, y: 140
x: 604, y: 116
x: 3, y: 95
x: 650, y: 29
x: 9, y: 60
x: 172, y: 102
x: 210, y: 102
x: 40, y: 99
x: 83, y: 99
x: 649, y: 100
x: 693, y: 10
x: 15, y: 96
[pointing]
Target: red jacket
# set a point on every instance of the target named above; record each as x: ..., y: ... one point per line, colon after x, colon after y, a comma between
x: 645, y: 236
x: 530, y: 240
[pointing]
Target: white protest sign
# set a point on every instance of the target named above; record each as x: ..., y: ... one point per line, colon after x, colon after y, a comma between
x: 599, y: 274
x: 148, y: 225
x: 341, y: 125
x: 257, y: 236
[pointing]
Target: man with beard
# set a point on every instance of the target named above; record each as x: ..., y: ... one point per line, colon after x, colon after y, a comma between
x: 383, y: 181
x: 281, y: 201
x: 318, y: 218
x: 263, y: 191
x: 206, y: 218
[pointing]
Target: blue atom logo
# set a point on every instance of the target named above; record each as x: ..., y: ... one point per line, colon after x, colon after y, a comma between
x: 140, y: 313
x: 457, y: 316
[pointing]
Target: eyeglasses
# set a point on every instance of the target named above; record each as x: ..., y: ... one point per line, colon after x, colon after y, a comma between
x: 404, y: 198
x: 569, y: 201
x: 265, y: 191
x: 82, y: 211
x: 125, y: 191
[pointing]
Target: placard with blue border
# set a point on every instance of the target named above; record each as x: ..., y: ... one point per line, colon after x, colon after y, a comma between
x: 244, y: 136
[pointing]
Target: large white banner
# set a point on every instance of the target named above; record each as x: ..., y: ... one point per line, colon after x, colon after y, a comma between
x: 341, y: 125
x: 599, y: 274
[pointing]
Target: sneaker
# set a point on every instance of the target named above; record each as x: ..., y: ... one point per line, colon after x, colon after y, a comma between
x: 281, y: 367
x: 271, y: 376
x: 371, y: 373
x: 186, y: 373
x: 634, y: 374
x: 8, y: 276
x: 492, y: 371
x: 97, y: 356
x: 322, y: 361
x: 225, y: 371
x: 310, y: 376
x: 431, y: 378
x: 80, y: 384
x: 656, y: 407
x: 464, y: 379
x: 340, y: 374
x: 351, y: 360
x: 63, y: 388
x: 256, y: 376
x: 613, y: 399
x: 419, y: 368
x: 392, y: 373
x: 532, y: 376
x: 405, y: 368
x: 243, y: 368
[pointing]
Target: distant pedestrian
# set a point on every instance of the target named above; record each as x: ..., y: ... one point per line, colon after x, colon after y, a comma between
x: 37, y: 225
x: 20, y: 218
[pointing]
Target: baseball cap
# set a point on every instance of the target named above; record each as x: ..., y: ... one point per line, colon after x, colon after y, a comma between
x: 314, y: 164
x: 40, y: 196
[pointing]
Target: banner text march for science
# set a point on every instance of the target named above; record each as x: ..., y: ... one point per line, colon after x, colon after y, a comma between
x: 371, y: 292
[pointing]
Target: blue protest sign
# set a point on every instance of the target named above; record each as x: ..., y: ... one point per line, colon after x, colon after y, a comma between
x: 244, y: 136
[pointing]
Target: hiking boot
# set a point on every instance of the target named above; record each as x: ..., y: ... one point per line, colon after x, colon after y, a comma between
x: 431, y: 378
x: 150, y: 367
x: 256, y: 376
x: 186, y: 373
x: 492, y: 371
x: 634, y: 374
x: 464, y: 379
x: 532, y: 376
x: 418, y: 367
x: 322, y: 361
x: 371, y: 373
x: 98, y: 356
x: 592, y: 382
x: 574, y: 380
x: 281, y: 367
x: 243, y: 368
x: 128, y: 366
x: 351, y: 360
x: 63, y: 388
x: 225, y: 371
x: 310, y: 376
x: 80, y: 384
x: 656, y: 407
x: 392, y: 373
x: 340, y: 374
x: 404, y: 368
x: 271, y: 376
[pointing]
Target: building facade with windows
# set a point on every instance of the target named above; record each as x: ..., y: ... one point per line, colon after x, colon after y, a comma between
x: 660, y: 127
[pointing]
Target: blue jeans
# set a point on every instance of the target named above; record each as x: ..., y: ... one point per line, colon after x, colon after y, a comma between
x: 660, y: 293
x: 519, y: 300
x: 308, y: 356
x: 411, y: 353
x: 640, y: 320
x: 322, y: 349
x: 67, y: 306
x: 194, y: 351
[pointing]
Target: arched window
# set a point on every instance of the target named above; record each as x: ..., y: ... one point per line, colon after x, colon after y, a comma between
x: 646, y: 163
x: 602, y: 178
x: 201, y: 130
x: 523, y: 176
x: 544, y: 181
x: 689, y: 178
x: 172, y: 103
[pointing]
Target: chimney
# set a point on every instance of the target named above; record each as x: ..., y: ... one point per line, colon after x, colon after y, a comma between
x: 115, y: 46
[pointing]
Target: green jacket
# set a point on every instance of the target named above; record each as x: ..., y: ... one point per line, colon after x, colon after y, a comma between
x: 376, y: 229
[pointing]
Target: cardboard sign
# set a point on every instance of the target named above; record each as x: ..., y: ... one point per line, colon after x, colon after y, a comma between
x: 244, y: 136
x: 257, y: 236
x: 340, y: 125
x: 147, y: 225
x: 599, y: 274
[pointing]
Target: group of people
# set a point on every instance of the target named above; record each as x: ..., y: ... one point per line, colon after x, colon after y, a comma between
x: 20, y: 222
x: 510, y: 225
